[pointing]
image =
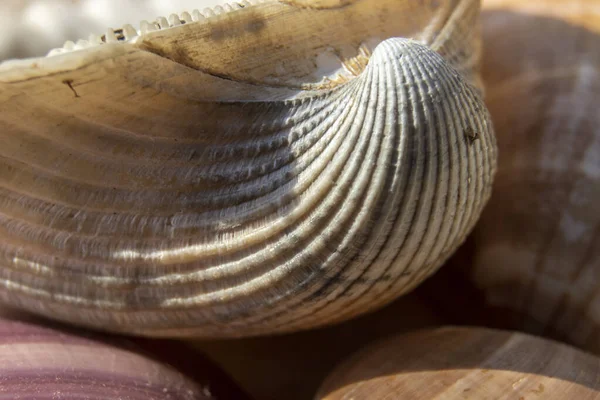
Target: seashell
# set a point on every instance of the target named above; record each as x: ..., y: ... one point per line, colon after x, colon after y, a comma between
x: 266, y: 169
x: 276, y: 360
x: 39, y: 362
x: 536, y: 245
x: 459, y: 363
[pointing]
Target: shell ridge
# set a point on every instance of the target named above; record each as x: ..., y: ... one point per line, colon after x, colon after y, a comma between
x: 358, y: 275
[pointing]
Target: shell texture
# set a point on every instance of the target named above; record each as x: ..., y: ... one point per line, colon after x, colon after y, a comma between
x: 254, y: 169
x: 465, y: 363
x: 41, y: 363
x: 537, y: 243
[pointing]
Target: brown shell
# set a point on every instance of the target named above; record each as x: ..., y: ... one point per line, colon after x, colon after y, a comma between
x: 537, y: 245
x: 465, y: 363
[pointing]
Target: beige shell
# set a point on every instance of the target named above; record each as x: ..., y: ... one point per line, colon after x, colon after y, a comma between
x: 254, y: 169
x: 537, y: 244
x: 465, y: 363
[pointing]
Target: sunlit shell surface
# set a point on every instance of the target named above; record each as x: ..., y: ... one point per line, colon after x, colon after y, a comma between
x: 254, y: 169
x: 537, y: 244
x: 465, y: 363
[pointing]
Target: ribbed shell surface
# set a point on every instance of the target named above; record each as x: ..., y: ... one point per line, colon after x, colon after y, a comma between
x: 158, y: 199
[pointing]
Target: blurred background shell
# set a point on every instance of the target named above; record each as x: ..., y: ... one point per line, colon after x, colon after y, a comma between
x: 465, y: 363
x: 536, y: 250
x: 43, y: 362
x: 29, y: 28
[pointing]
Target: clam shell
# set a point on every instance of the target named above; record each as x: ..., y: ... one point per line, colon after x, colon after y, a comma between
x: 458, y: 363
x: 38, y: 362
x: 218, y: 179
x: 536, y: 245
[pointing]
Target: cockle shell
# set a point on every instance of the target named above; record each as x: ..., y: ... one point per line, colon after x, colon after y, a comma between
x: 537, y: 243
x: 465, y: 363
x: 38, y: 362
x: 260, y: 168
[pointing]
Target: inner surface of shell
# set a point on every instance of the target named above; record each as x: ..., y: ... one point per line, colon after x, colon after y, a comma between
x: 271, y: 167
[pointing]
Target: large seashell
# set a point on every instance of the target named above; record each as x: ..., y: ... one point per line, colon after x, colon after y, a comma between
x: 465, y: 363
x: 536, y: 246
x: 38, y: 362
x: 259, y: 170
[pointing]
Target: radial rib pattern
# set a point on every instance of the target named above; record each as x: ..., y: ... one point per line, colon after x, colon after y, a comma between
x: 128, y: 206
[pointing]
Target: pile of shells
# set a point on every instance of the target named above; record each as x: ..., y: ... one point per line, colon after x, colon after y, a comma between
x: 278, y: 182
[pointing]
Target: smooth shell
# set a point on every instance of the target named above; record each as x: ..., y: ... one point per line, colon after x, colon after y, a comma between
x: 537, y: 243
x: 38, y: 362
x: 465, y: 363
x: 220, y: 178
